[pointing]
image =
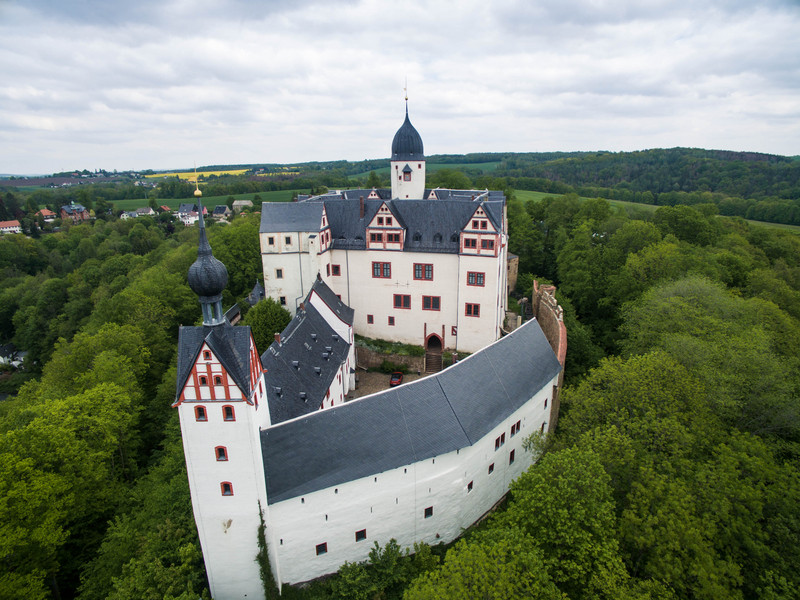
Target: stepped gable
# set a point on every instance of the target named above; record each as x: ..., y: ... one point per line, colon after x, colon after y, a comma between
x: 344, y: 312
x: 231, y: 345
x: 416, y: 421
x: 304, y: 362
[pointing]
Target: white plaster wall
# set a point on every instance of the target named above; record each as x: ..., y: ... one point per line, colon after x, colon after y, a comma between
x: 392, y: 504
x: 414, y: 189
x: 227, y: 525
x: 299, y: 262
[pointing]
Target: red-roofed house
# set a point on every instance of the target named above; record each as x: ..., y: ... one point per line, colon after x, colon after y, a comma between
x: 10, y: 227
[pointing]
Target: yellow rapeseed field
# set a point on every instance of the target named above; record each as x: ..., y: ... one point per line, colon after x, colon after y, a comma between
x: 189, y: 175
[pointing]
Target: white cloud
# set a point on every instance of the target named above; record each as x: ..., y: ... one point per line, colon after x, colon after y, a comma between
x: 161, y: 84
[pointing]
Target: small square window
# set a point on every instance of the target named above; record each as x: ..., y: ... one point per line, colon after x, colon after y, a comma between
x: 469, y: 487
x: 483, y: 224
x: 278, y: 273
x: 370, y: 319
x: 361, y: 535
x: 473, y: 310
x: 217, y: 380
x: 391, y: 321
x: 221, y: 452
x: 336, y: 270
x: 380, y: 220
x: 322, y: 548
x: 228, y: 414
x: 200, y: 413
x: 206, y: 355
x: 271, y: 241
x: 203, y: 380
x: 288, y: 240
x: 389, y: 221
x: 226, y: 487
x: 429, y: 512
x: 491, y: 468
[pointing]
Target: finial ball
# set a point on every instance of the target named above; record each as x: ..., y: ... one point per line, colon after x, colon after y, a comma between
x: 197, y: 193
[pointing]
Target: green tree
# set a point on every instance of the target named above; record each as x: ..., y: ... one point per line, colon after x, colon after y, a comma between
x: 266, y: 319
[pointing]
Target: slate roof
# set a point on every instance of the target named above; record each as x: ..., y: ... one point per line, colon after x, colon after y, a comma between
x: 424, y: 217
x: 231, y: 345
x: 305, y: 362
x: 407, y: 142
x: 344, y: 312
x: 413, y: 422
x: 279, y: 217
x: 70, y: 208
x: 186, y: 208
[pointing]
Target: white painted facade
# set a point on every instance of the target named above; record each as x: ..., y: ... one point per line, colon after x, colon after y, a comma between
x: 408, y: 178
x: 393, y: 504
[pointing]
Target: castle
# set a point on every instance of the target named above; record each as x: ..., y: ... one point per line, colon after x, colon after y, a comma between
x: 271, y: 436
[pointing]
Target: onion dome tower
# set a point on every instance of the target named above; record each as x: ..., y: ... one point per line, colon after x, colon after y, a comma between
x: 207, y: 276
x: 408, y: 162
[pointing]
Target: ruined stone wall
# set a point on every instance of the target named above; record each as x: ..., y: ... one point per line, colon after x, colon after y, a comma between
x: 551, y: 319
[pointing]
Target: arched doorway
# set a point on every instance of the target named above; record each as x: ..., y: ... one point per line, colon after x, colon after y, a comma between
x: 433, y: 353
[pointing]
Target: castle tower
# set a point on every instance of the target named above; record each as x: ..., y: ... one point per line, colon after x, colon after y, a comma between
x: 221, y: 404
x: 407, y: 163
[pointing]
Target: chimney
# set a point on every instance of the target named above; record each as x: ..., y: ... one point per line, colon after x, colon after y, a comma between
x: 361, y: 207
x: 278, y: 337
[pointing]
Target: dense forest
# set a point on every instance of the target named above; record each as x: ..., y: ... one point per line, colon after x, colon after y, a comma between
x: 674, y: 471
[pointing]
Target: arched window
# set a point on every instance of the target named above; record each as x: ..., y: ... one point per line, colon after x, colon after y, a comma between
x: 226, y: 487
x: 200, y: 413
x: 206, y: 355
x: 227, y: 413
x: 417, y: 236
x: 221, y: 452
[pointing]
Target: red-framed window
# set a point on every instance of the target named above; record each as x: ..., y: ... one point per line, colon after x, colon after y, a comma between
x: 402, y: 301
x: 389, y: 221
x: 470, y: 243
x: 200, y: 413
x: 203, y: 380
x: 476, y: 278
x: 499, y: 441
x: 221, y: 452
x: 336, y: 270
x: 376, y: 237
x: 423, y: 271
x: 515, y: 428
x: 206, y: 355
x: 382, y: 270
x: 429, y: 512
x: 322, y: 548
x: 380, y: 220
x: 393, y: 237
x: 483, y: 224
x: 473, y: 310
x: 487, y: 244
x: 469, y: 487
x: 391, y: 321
x: 361, y: 535
x: 217, y: 380
x: 370, y: 319
x: 406, y: 176
x: 511, y: 457
x: 227, y: 413
x: 431, y: 302
x: 226, y: 487
x: 474, y: 223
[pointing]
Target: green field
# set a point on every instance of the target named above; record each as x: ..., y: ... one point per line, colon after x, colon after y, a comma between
x: 208, y: 201
x: 429, y: 167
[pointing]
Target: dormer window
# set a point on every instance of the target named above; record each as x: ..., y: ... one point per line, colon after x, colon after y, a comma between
x: 417, y: 236
x: 437, y: 238
x: 206, y: 355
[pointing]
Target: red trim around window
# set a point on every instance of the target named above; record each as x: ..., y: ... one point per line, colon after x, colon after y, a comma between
x: 228, y: 413
x: 472, y: 310
x: 431, y: 303
x: 370, y: 320
x: 381, y: 270
x: 336, y: 270
x: 226, y: 488
x: 402, y: 301
x: 476, y: 278
x: 221, y: 452
x: 200, y: 413
x: 423, y: 271
x: 391, y: 321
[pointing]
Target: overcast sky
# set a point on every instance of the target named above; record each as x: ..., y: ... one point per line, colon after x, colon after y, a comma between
x: 163, y: 84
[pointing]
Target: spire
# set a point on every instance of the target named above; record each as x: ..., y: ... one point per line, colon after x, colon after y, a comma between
x: 207, y: 276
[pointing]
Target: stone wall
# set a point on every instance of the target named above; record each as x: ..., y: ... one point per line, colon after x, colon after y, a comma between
x: 551, y: 319
x: 369, y: 359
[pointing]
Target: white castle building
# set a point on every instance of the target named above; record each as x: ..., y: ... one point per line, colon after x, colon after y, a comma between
x: 271, y: 435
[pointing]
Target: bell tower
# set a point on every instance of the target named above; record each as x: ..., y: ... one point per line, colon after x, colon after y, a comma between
x: 408, y: 162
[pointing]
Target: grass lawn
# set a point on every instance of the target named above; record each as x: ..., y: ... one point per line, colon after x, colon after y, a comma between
x: 209, y: 201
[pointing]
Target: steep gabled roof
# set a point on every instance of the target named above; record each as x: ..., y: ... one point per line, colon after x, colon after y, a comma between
x: 344, y: 312
x: 279, y: 217
x: 231, y: 345
x: 304, y: 363
x: 416, y: 421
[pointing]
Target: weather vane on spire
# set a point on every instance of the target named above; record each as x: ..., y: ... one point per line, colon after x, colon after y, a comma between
x: 405, y: 90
